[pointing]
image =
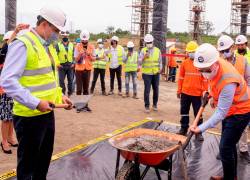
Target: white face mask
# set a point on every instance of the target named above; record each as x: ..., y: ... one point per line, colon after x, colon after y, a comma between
x: 100, y: 46
x: 149, y: 45
x: 212, y: 74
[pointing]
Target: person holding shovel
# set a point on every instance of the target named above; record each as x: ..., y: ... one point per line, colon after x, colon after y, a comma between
x: 231, y: 96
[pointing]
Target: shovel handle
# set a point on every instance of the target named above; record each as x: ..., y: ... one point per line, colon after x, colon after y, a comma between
x: 59, y: 106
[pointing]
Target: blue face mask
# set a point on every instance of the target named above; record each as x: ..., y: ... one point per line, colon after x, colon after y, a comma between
x: 191, y: 55
x: 53, y: 37
x: 227, y: 54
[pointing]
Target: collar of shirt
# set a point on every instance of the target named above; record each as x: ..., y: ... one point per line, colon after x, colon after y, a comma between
x: 44, y: 43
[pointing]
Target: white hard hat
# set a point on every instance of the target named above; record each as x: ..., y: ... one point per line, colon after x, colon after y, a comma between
x: 84, y: 35
x: 99, y: 41
x: 54, y: 15
x: 205, y: 55
x: 224, y: 42
x: 148, y: 38
x: 130, y: 44
x: 241, y: 39
x: 7, y: 35
x: 115, y: 38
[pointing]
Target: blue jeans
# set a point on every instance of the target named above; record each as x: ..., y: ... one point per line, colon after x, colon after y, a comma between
x: 148, y: 81
x: 232, y: 128
x: 66, y: 70
x: 127, y: 80
x: 172, y: 74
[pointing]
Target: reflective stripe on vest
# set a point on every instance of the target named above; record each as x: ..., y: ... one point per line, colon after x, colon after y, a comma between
x: 100, y: 64
x: 119, y: 49
x: 151, y: 65
x: 38, y: 76
x: 132, y: 63
x: 65, y: 56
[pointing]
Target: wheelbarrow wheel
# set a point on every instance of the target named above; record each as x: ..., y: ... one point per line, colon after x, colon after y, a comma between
x: 127, y: 172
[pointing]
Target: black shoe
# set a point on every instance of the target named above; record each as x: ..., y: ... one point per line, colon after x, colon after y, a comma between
x: 183, y: 131
x: 13, y: 145
x: 6, y: 151
x: 218, y: 157
x: 104, y: 93
x: 245, y: 156
x: 199, y: 137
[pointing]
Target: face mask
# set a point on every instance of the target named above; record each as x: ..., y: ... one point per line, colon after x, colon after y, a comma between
x: 53, y: 37
x: 242, y: 51
x: 100, y: 46
x: 130, y: 49
x: 65, y: 39
x: 191, y: 56
x: 150, y: 45
x: 212, y: 74
x: 227, y: 54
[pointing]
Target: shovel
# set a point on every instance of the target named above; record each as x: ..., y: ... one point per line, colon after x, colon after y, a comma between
x: 205, y: 99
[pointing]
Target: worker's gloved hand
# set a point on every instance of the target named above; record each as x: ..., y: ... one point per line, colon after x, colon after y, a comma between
x: 66, y: 100
x: 44, y: 106
x: 195, y: 129
x: 178, y: 95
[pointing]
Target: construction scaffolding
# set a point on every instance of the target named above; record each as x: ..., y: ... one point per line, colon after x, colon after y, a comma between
x: 141, y: 18
x: 240, y: 20
x: 197, y: 18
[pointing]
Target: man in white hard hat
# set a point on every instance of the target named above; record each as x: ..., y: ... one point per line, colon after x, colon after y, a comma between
x: 116, y: 55
x: 231, y: 96
x: 131, y: 69
x: 84, y: 55
x: 242, y: 49
x: 225, y: 46
x: 99, y: 67
x: 151, y: 61
x: 30, y: 77
x: 65, y: 51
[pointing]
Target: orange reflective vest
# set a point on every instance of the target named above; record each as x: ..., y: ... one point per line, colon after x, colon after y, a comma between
x: 240, y: 63
x: 172, y: 62
x: 228, y: 74
x: 86, y: 63
x: 191, y: 81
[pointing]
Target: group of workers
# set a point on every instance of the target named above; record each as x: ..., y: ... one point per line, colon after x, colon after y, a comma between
x: 225, y: 73
x: 34, y: 72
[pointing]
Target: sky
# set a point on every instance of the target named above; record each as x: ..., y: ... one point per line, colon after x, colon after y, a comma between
x: 96, y: 15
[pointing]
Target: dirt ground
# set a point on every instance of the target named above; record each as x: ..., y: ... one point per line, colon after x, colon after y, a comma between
x: 109, y: 113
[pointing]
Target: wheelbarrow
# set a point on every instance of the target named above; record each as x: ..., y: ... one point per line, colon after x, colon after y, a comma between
x: 157, y: 159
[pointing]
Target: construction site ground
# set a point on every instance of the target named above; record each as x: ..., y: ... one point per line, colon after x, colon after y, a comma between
x: 109, y: 113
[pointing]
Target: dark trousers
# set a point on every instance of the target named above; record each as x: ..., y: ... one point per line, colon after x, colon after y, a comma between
x: 82, y: 82
x: 118, y: 72
x: 232, y: 128
x: 66, y: 70
x: 35, y: 136
x: 172, y: 74
x: 98, y: 71
x: 148, y: 81
x: 186, y: 101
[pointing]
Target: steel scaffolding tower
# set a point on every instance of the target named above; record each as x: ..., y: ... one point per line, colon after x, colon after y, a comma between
x: 240, y: 20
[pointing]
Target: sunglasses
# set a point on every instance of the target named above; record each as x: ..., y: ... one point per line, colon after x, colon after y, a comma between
x: 225, y: 51
x: 148, y: 42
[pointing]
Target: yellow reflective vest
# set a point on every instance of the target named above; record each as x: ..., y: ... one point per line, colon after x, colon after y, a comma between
x: 132, y: 63
x: 40, y: 75
x: 100, y: 64
x: 151, y: 65
x: 247, y: 55
x: 119, y: 54
x: 63, y: 55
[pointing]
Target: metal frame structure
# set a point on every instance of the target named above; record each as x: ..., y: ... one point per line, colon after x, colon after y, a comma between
x: 197, y: 18
x: 240, y: 20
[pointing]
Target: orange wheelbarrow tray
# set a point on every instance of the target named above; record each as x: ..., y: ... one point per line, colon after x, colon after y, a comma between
x: 147, y: 158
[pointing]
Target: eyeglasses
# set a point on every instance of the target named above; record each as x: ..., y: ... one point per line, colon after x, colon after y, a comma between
x: 148, y: 42
x: 225, y: 51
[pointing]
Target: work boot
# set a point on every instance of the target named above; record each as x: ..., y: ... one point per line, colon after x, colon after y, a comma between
x: 120, y: 93
x: 155, y: 108
x: 183, y: 131
x: 199, y: 137
x: 104, y: 93
x: 245, y: 156
x: 147, y: 110
x: 91, y: 91
x: 135, y: 96
x: 110, y: 93
x: 126, y: 95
